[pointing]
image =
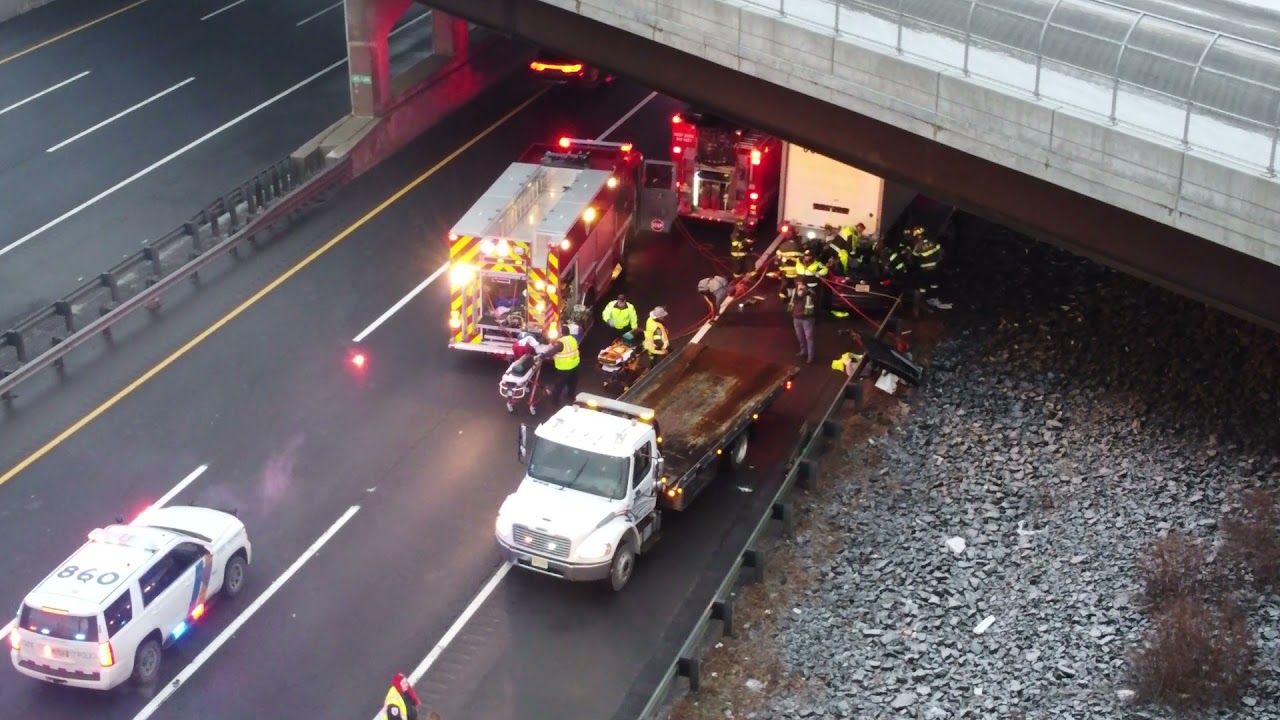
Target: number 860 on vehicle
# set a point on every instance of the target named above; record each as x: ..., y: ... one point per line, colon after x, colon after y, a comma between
x: 106, y: 614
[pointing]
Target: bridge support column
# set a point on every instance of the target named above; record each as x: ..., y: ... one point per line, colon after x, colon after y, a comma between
x: 449, y: 35
x: 369, y: 67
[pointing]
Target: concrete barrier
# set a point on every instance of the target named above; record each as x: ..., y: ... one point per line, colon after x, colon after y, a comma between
x: 14, y: 8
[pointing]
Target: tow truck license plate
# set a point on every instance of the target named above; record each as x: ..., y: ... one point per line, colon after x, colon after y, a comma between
x: 540, y: 563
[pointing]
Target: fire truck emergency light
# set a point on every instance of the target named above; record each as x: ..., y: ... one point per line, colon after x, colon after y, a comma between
x: 589, y: 214
x: 564, y: 142
x: 612, y: 183
x: 675, y: 120
x: 755, y: 157
x: 676, y: 149
x: 358, y: 360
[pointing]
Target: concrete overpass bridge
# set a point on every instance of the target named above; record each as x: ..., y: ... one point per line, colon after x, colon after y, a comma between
x: 1143, y: 141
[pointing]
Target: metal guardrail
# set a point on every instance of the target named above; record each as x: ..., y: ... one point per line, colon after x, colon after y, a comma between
x: 1197, y: 73
x: 801, y: 470
x: 141, y: 279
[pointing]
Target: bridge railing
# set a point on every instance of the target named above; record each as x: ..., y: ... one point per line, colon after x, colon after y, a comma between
x: 1207, y: 90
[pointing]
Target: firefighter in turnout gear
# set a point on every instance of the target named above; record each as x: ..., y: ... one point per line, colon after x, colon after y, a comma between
x: 740, y: 244
x: 621, y: 318
x: 401, y: 702
x: 839, y: 250
x: 926, y: 253
x: 787, y: 254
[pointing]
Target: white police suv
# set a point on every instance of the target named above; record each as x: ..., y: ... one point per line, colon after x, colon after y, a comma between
x: 104, y: 616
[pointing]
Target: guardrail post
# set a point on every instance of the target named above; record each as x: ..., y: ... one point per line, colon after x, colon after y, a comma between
x: 722, y: 610
x: 690, y: 668
x: 233, y: 212
x: 781, y: 511
x: 14, y: 339
x: 109, y: 282
x: 157, y: 267
x: 250, y: 199
x: 831, y: 429
x: 63, y: 308
x: 754, y: 559
x: 197, y: 242
x: 807, y: 474
x: 854, y: 391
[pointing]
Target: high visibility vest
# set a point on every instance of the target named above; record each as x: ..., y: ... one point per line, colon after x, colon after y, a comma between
x: 813, y: 269
x: 395, y: 700
x: 620, y: 317
x: 567, y: 358
x: 846, y: 363
x: 846, y: 232
x: 655, y: 337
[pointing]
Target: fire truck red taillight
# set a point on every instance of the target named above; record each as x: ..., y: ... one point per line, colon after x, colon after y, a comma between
x: 754, y: 196
x: 755, y: 157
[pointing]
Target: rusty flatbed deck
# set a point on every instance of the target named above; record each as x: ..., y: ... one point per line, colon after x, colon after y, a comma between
x: 702, y: 397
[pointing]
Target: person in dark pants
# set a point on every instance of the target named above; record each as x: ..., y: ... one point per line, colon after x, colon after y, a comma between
x: 804, y: 308
x: 565, y: 358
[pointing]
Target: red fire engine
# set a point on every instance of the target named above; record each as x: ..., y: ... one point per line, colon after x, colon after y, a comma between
x: 727, y: 173
x: 547, y: 239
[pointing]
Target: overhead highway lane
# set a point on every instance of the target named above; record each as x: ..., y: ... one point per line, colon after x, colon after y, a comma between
x: 294, y: 436
x: 126, y: 130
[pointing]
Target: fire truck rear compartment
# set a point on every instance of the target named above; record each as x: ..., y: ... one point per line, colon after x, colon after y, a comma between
x: 502, y: 300
x: 701, y: 396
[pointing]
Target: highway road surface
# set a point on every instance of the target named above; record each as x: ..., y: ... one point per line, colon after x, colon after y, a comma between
x: 123, y: 119
x: 371, y: 493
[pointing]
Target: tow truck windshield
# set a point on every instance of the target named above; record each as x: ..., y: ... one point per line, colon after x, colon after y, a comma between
x: 571, y: 468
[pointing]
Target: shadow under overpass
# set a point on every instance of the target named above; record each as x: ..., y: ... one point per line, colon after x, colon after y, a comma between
x: 1219, y: 276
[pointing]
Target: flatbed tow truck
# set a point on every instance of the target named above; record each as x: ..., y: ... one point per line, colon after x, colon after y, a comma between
x: 600, y: 471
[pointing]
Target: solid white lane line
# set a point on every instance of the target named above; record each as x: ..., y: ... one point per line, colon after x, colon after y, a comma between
x: 119, y: 115
x: 182, y: 485
x: 627, y: 117
x: 42, y: 93
x: 401, y: 303
x: 219, y: 12
x: 455, y: 628
x: 171, y: 687
x: 760, y: 262
x: 308, y: 19
x: 441, y: 270
x: 166, y: 159
x: 410, y: 24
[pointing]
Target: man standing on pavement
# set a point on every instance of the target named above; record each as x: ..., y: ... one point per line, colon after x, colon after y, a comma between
x: 621, y: 317
x: 803, y: 309
x: 564, y: 354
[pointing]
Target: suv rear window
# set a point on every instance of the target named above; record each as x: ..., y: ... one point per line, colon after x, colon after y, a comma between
x: 59, y: 625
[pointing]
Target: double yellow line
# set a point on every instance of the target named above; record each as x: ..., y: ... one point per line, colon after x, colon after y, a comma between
x: 253, y: 299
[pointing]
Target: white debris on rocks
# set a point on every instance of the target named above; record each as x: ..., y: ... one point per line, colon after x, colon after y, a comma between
x: 1073, y: 414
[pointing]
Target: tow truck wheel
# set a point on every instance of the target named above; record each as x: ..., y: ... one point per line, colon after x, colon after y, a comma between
x: 624, y: 563
x: 738, y: 452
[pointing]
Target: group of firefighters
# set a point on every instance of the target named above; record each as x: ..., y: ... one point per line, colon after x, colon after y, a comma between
x: 806, y: 268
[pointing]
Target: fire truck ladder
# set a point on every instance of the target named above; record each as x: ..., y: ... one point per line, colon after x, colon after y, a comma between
x: 519, y: 206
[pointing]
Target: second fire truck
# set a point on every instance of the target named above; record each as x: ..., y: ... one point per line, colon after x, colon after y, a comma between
x: 727, y: 173
x: 547, y: 240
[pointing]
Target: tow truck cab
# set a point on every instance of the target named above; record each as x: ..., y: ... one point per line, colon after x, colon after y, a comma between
x: 587, y: 504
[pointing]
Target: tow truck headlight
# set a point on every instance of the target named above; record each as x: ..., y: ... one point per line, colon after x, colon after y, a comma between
x: 595, y: 550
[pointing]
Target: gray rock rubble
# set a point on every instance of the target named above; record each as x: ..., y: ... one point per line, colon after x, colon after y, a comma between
x: 1072, y: 415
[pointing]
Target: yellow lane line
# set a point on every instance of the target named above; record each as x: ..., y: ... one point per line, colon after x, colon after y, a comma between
x: 204, y: 335
x: 72, y: 31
